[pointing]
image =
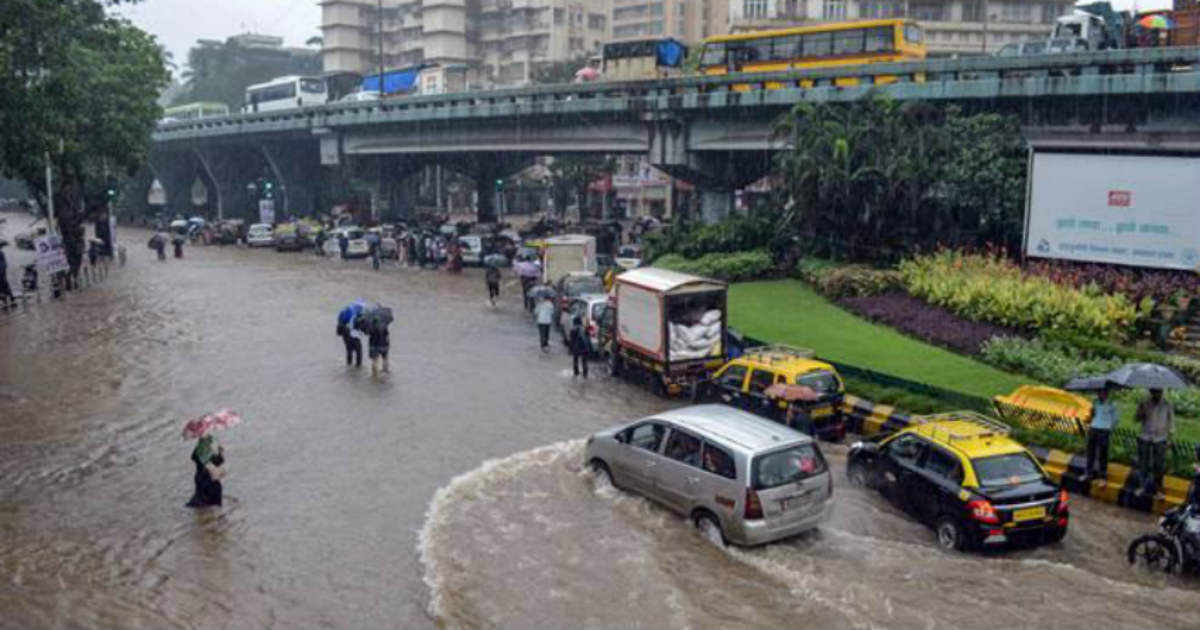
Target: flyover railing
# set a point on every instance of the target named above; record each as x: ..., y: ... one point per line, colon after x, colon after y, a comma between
x: 1173, y: 70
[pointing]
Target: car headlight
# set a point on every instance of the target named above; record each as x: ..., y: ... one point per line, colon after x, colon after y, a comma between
x: 856, y: 445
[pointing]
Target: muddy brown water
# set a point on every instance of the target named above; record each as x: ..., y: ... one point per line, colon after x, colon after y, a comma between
x: 333, y: 474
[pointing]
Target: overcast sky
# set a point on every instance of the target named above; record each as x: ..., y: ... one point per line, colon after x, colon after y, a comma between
x: 179, y: 23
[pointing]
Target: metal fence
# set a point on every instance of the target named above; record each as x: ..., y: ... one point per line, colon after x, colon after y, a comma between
x: 50, y: 287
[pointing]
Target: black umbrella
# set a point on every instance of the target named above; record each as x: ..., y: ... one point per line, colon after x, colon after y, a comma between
x: 1086, y: 384
x: 1148, y: 375
x: 376, y: 317
x: 495, y: 260
x: 541, y: 291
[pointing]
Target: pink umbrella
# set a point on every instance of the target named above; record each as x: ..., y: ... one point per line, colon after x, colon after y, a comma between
x: 198, y: 427
x: 587, y: 73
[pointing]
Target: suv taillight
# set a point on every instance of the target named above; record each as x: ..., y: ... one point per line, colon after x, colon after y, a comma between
x: 1064, y: 501
x: 982, y: 511
x: 753, y: 509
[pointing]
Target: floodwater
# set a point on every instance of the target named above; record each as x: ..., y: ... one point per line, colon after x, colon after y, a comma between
x: 449, y: 493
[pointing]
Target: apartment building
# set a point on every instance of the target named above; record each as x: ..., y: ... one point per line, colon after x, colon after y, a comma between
x: 503, y: 41
x: 686, y: 20
x: 951, y: 26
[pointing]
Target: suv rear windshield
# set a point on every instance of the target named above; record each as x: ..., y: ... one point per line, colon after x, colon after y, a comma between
x: 822, y: 382
x: 787, y: 466
x: 582, y: 286
x: 1006, y: 470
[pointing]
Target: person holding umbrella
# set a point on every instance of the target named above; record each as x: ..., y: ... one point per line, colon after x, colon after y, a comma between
x: 208, y: 457
x: 1104, y: 420
x: 345, y: 330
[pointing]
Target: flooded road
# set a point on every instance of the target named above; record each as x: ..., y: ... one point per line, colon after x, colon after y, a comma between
x: 329, y: 476
x: 333, y: 473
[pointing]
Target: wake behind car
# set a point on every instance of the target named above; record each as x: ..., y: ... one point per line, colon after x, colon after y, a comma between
x: 960, y: 473
x: 737, y: 477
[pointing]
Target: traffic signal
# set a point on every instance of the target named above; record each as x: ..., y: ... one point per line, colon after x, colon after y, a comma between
x: 499, y: 184
x: 110, y: 191
x: 268, y: 189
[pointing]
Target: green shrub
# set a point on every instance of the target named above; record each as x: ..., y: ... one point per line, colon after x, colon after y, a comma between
x: 734, y: 267
x: 809, y: 267
x: 990, y: 289
x: 1187, y: 366
x: 857, y: 281
x: 1054, y: 363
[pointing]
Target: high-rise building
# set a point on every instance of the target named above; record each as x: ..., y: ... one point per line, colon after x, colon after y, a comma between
x: 951, y: 26
x: 503, y: 41
x: 686, y: 20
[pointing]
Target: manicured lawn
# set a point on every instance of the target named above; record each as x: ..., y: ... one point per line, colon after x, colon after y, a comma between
x: 788, y: 311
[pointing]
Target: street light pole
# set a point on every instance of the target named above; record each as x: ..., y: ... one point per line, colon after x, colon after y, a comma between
x: 381, y: 91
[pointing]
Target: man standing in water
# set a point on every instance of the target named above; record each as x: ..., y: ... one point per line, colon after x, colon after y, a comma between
x: 493, y: 283
x: 345, y: 330
x: 1157, y: 418
x: 544, y: 315
x: 1104, y: 419
x: 5, y: 290
x: 578, y: 342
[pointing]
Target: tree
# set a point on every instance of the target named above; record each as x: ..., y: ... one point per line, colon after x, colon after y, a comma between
x: 875, y: 180
x: 571, y: 175
x: 79, y: 87
x: 221, y: 72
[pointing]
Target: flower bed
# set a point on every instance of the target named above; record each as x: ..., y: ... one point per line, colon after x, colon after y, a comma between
x: 924, y: 321
x: 992, y: 289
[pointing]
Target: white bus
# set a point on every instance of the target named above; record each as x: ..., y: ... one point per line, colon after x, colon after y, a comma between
x: 286, y: 93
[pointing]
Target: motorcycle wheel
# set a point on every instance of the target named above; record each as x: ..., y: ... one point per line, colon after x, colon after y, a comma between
x: 1153, y: 551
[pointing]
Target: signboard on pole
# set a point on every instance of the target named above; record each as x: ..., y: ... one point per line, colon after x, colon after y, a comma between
x: 1141, y: 210
x: 199, y: 193
x: 51, y: 257
x: 266, y: 211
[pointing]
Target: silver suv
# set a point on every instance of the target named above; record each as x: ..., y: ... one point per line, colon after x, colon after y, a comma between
x: 734, y: 474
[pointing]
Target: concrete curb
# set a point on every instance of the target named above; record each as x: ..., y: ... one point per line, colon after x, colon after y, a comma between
x: 867, y: 418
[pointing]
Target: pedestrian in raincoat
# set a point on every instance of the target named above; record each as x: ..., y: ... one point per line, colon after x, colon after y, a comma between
x: 209, y: 458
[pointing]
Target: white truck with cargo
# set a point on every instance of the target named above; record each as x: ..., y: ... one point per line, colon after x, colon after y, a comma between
x: 669, y: 328
x: 568, y: 253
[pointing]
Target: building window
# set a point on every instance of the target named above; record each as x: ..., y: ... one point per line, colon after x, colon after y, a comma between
x: 1050, y: 12
x: 880, y: 9
x: 752, y: 9
x: 595, y: 21
x: 934, y: 12
x: 834, y: 10
x: 972, y: 11
x: 1017, y: 12
x: 558, y: 16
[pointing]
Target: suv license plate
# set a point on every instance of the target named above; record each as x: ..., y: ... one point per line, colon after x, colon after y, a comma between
x: 1029, y: 514
x: 792, y: 503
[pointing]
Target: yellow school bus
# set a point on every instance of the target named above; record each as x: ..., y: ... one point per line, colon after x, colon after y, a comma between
x: 817, y: 46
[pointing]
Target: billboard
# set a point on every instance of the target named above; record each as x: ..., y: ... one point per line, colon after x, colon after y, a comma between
x: 1141, y: 210
x: 266, y: 211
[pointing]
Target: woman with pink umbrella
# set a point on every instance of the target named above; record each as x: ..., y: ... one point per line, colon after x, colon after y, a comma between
x: 208, y: 456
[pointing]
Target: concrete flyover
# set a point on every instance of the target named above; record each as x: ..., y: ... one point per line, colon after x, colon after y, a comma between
x: 714, y: 132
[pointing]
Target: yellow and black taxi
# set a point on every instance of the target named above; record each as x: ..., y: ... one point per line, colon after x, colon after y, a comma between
x: 961, y: 473
x: 752, y: 380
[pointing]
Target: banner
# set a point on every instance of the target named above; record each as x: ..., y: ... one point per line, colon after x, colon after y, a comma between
x: 51, y: 257
x: 1122, y: 209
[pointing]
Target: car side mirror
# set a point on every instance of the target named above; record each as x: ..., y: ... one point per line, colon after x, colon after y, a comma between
x: 620, y: 437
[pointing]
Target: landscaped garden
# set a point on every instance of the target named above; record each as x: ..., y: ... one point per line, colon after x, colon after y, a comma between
x: 895, y: 256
